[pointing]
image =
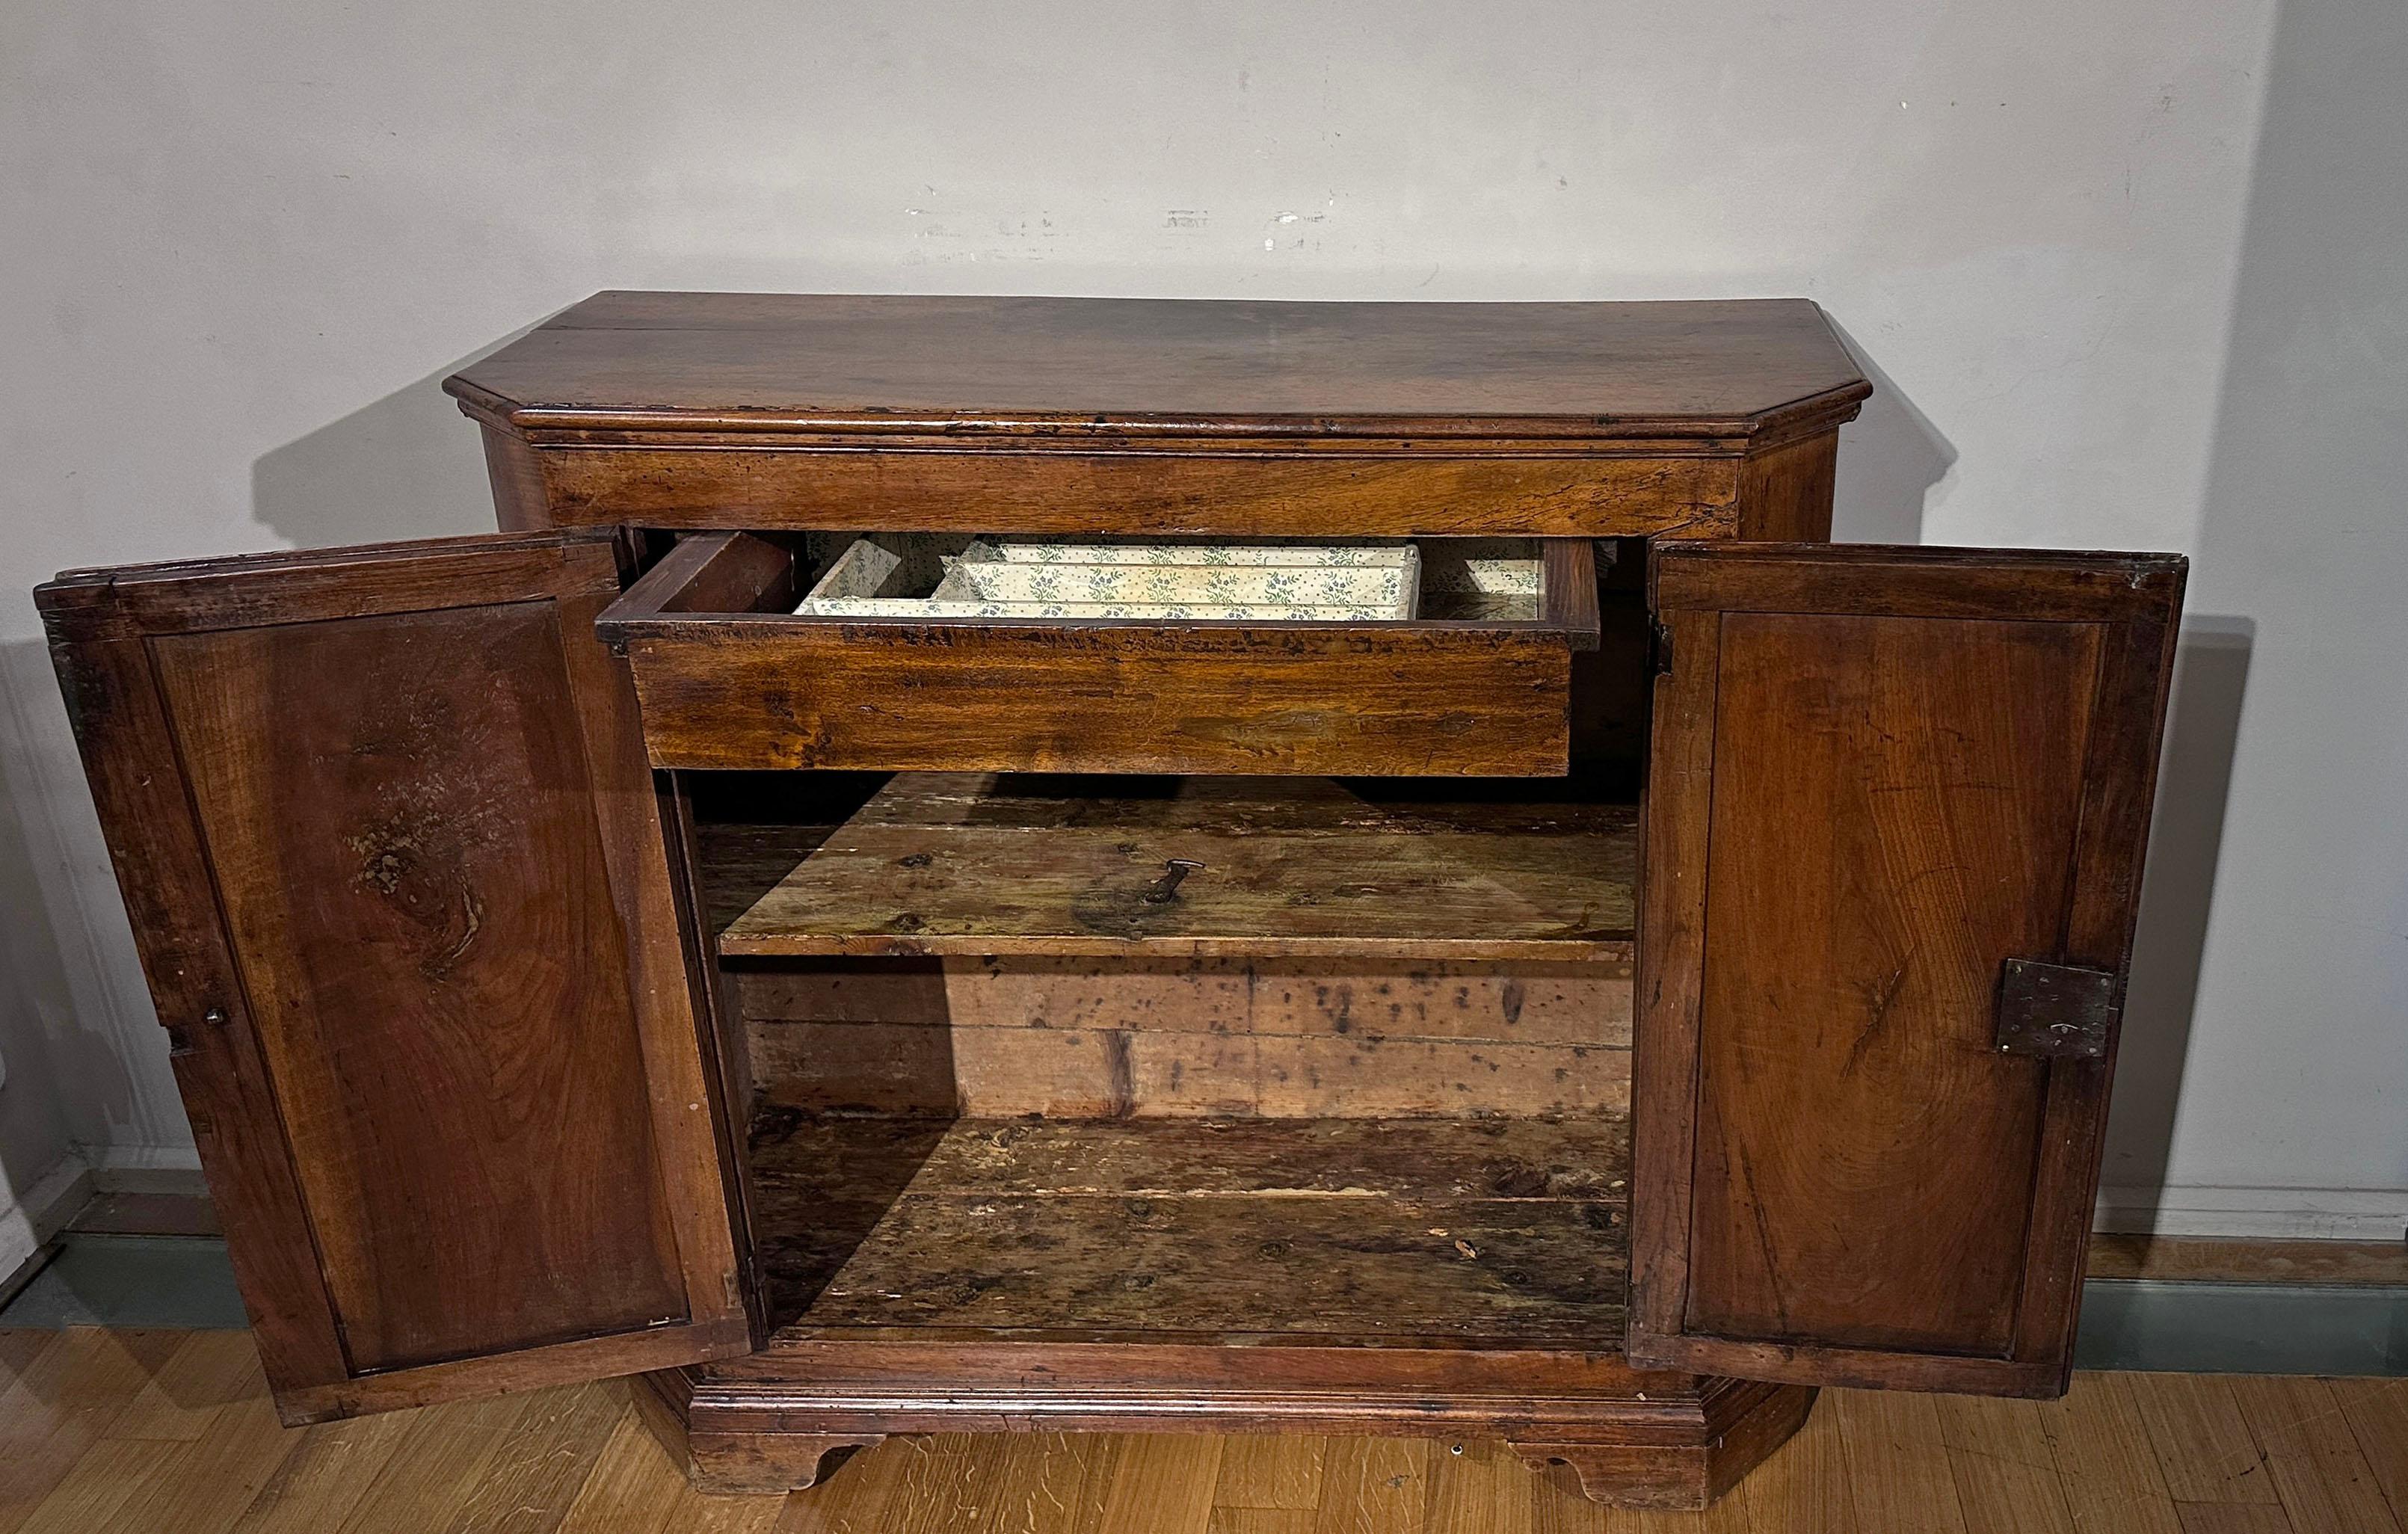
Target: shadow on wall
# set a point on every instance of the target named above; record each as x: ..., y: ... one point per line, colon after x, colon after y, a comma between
x: 408, y: 465
x: 1890, y: 457
x: 2186, y: 837
x: 2303, y: 523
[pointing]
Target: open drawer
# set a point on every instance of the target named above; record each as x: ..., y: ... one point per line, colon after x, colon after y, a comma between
x: 729, y: 675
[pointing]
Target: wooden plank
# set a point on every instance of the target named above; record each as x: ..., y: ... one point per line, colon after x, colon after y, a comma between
x: 2006, y: 1478
x: 1359, y: 880
x: 1267, y: 1471
x: 1804, y: 1486
x: 2320, y: 1473
x: 2104, y: 1463
x: 2377, y: 1414
x: 1169, y: 1228
x: 1531, y: 1001
x: 1477, y: 1488
x: 1375, y: 1485
x: 2233, y: 1518
x: 212, y: 1479
x: 1120, y: 366
x: 212, y: 1370
x: 1081, y: 1073
x: 63, y: 1400
x: 1161, y: 1484
x: 2201, y: 1441
x: 323, y: 1479
x: 1900, y: 1474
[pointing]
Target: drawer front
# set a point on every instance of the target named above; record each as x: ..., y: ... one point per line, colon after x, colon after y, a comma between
x: 729, y: 678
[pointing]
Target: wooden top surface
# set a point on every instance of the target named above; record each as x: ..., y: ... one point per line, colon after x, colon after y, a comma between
x: 736, y: 362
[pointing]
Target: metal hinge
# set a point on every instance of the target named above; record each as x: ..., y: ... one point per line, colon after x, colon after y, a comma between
x: 2056, y: 1011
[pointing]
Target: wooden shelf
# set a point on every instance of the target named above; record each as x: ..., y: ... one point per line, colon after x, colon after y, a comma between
x: 972, y: 864
x: 1355, y: 1231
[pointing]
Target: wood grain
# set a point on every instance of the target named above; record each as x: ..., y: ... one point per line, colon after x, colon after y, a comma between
x: 1056, y: 367
x: 730, y: 679
x: 1103, y: 1073
x: 524, y: 1465
x: 395, y: 864
x: 1327, y: 872
x: 1345, y: 1227
x: 1925, y: 775
x: 1879, y: 773
x: 1283, y: 1038
x: 374, y: 853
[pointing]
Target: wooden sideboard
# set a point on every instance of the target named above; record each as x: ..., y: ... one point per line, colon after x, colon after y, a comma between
x: 1591, y: 1024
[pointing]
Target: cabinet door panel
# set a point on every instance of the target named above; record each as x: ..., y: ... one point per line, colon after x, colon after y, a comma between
x: 401, y: 887
x: 1879, y: 776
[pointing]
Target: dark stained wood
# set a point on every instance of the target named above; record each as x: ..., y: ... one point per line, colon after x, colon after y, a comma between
x: 1641, y: 1440
x: 1284, y: 489
x: 873, y: 363
x: 1877, y: 777
x: 1350, y: 1228
x: 402, y: 891
x: 410, y: 984
x: 1785, y: 491
x: 1232, y: 418
x: 1932, y: 772
x: 1341, y: 875
x: 517, y: 478
x: 2049, y: 586
x: 731, y: 687
x: 1749, y: 1420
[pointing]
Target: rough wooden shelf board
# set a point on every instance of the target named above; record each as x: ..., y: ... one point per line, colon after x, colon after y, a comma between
x: 1363, y: 1230
x: 981, y: 864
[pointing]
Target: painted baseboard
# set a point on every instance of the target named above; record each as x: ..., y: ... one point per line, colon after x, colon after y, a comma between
x: 2336, y: 1215
x: 34, y: 1216
x: 148, y: 1168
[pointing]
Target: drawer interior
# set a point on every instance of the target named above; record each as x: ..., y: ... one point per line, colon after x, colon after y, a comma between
x: 921, y: 575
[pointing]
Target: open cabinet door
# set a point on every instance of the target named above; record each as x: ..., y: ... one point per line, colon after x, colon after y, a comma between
x: 1896, y: 803
x: 401, y: 885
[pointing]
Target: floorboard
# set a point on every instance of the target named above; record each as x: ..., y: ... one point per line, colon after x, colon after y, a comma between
x: 105, y: 1431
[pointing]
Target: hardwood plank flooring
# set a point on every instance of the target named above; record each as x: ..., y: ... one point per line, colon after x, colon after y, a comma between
x: 105, y: 1431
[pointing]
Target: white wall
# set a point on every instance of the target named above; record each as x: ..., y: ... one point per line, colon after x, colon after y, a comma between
x: 2128, y: 275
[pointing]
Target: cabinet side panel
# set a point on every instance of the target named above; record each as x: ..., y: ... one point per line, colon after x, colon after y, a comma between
x: 1785, y: 494
x: 400, y: 822
x: 1895, y: 809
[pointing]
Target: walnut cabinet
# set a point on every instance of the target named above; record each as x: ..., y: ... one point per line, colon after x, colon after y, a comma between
x: 1591, y: 1020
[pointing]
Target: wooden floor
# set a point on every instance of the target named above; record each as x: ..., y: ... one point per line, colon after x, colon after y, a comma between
x: 159, y: 1430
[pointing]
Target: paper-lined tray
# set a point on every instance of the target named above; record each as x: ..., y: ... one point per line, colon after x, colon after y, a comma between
x: 981, y: 578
